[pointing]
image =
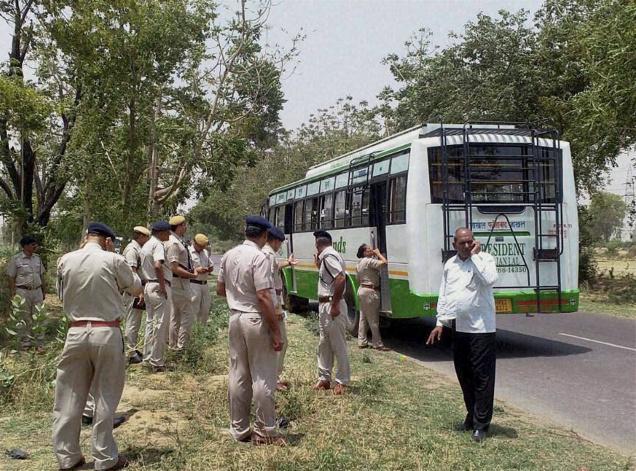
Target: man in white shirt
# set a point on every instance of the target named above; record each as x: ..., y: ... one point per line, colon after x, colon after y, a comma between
x: 467, y: 305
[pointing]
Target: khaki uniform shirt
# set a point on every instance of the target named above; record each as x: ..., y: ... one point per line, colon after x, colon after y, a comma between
x: 27, y: 271
x: 154, y: 251
x: 92, y: 280
x: 331, y: 265
x: 176, y: 251
x: 369, y: 271
x: 244, y: 271
x: 200, y: 259
x: 132, y: 255
x: 275, y: 269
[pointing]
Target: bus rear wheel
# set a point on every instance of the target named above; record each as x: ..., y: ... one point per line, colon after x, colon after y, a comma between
x: 295, y: 304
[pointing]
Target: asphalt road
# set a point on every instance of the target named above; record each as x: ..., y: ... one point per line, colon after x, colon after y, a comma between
x: 576, y: 369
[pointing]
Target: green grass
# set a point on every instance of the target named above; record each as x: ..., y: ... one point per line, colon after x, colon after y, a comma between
x: 396, y: 416
x: 598, y: 303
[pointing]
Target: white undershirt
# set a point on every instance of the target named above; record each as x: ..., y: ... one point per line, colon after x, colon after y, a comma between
x: 466, y: 294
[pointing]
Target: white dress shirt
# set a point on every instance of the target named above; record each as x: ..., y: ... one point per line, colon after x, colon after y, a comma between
x: 466, y: 294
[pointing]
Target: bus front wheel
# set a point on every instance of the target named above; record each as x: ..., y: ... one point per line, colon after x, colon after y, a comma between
x: 353, y: 317
x: 295, y: 304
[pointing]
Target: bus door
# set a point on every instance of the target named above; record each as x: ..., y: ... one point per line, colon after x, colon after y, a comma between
x: 288, y: 224
x: 377, y: 222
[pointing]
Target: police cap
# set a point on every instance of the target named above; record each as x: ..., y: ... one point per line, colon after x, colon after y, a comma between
x: 176, y: 220
x: 323, y: 234
x: 159, y: 226
x: 142, y: 230
x: 101, y: 229
x: 276, y: 233
x: 258, y: 221
x: 26, y: 240
x: 201, y: 239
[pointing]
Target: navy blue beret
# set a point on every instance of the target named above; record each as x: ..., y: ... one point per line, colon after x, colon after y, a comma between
x: 101, y: 229
x: 321, y: 233
x: 257, y: 221
x: 159, y: 226
x: 276, y: 233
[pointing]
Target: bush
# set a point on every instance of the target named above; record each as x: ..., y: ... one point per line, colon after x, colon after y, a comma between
x: 587, y: 265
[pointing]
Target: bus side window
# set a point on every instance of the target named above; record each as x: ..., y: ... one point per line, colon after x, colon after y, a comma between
x: 310, y: 218
x: 397, y: 200
x: 340, y: 211
x: 298, y: 216
x: 326, y: 211
x: 360, y: 207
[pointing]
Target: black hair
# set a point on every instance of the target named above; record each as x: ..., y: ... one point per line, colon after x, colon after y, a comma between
x: 26, y: 240
x: 173, y: 227
x: 361, y: 250
x: 271, y: 237
x: 323, y: 241
x: 252, y: 232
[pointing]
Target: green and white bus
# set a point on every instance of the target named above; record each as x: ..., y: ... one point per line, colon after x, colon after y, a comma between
x: 406, y: 194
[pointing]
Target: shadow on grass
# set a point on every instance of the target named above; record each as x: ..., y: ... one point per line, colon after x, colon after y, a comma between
x: 502, y: 431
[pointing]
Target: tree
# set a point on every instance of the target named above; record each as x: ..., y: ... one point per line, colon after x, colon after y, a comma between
x: 35, y: 128
x: 329, y: 133
x: 569, y: 72
x: 605, y: 216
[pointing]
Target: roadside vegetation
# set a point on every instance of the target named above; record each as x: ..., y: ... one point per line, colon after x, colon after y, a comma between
x: 397, y: 415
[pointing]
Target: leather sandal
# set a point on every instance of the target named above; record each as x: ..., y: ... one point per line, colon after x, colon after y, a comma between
x: 122, y: 462
x: 79, y: 464
x: 339, y: 389
x: 322, y: 385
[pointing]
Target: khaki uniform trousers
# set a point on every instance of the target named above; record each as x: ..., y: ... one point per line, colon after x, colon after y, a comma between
x: 333, y: 343
x: 369, y: 316
x: 283, y: 336
x: 32, y: 298
x: 133, y: 324
x: 201, y: 302
x: 181, y: 317
x: 157, y: 318
x: 93, y: 359
x: 252, y: 375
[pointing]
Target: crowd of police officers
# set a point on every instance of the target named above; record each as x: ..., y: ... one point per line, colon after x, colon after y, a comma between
x: 161, y: 273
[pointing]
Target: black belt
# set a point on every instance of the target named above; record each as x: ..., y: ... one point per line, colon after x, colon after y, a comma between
x: 199, y: 282
x: 28, y: 288
x: 157, y: 281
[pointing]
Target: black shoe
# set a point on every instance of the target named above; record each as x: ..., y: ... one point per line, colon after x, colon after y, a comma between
x: 117, y: 421
x: 135, y: 359
x: 479, y: 436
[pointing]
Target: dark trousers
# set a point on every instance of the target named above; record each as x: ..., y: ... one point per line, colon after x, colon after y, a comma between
x: 474, y: 356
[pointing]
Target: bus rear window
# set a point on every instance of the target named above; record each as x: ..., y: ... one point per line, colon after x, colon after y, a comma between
x: 498, y: 174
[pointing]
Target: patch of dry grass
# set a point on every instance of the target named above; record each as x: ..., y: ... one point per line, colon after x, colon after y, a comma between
x: 397, y: 416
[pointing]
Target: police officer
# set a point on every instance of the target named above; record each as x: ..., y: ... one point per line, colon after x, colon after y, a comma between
x: 157, y: 296
x: 181, y: 309
x: 275, y: 238
x: 93, y: 357
x: 134, y: 306
x: 26, y: 279
x: 332, y: 312
x: 201, y: 300
x: 254, y: 335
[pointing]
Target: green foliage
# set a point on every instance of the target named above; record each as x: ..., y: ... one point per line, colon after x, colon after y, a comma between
x: 606, y: 215
x: 331, y: 132
x: 570, y: 72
